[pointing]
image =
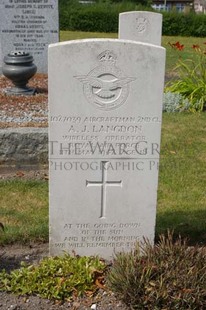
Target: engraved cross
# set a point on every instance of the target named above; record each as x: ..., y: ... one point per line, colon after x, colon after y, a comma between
x: 103, y: 184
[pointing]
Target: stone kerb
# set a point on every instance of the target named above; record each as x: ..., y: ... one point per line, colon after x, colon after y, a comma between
x: 23, y: 146
x: 105, y: 103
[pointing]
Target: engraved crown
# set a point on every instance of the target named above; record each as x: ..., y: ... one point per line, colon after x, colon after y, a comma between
x: 107, y: 56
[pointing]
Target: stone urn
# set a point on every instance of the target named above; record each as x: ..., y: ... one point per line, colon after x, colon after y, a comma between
x: 19, y: 68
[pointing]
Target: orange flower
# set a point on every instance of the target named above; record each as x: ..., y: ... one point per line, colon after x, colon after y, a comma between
x: 177, y: 46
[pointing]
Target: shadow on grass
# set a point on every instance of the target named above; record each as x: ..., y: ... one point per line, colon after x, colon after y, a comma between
x: 189, y: 224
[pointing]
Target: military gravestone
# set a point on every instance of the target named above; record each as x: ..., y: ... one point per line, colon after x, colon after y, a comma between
x: 105, y: 102
x: 28, y: 25
x: 141, y: 26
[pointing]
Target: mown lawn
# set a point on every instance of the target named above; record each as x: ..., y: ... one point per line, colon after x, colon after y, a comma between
x: 182, y: 179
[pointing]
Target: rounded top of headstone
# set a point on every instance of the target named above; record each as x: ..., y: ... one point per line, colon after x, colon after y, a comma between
x: 17, y: 57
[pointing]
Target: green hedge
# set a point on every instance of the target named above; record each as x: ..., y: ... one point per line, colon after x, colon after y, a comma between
x: 184, y: 24
x: 103, y: 17
x: 100, y: 17
x: 94, y: 20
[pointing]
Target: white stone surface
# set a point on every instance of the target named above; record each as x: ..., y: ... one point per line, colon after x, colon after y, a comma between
x: 105, y: 103
x: 141, y: 26
x: 29, y: 25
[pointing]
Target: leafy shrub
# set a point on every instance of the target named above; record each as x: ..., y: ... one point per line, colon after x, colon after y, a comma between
x: 57, y: 278
x: 175, y: 102
x: 192, y: 78
x: 169, y: 275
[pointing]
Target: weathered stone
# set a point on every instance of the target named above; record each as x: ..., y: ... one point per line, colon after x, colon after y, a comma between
x: 26, y: 146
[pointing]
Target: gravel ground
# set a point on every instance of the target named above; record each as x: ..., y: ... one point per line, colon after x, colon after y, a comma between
x: 107, y: 302
x: 24, y: 111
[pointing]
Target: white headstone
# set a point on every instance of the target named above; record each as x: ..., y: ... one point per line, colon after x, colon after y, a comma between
x: 28, y: 25
x: 105, y: 103
x: 141, y: 26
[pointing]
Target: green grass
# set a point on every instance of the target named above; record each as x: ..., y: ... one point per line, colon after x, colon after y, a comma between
x: 172, y: 55
x: 182, y: 179
x: 181, y: 193
x: 77, y: 35
x: 24, y: 211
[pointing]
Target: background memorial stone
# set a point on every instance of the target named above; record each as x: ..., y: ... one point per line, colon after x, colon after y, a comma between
x: 29, y: 26
x: 105, y: 122
x: 141, y: 26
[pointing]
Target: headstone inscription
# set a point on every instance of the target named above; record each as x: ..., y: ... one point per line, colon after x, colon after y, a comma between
x: 28, y: 25
x: 141, y: 26
x: 105, y: 122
